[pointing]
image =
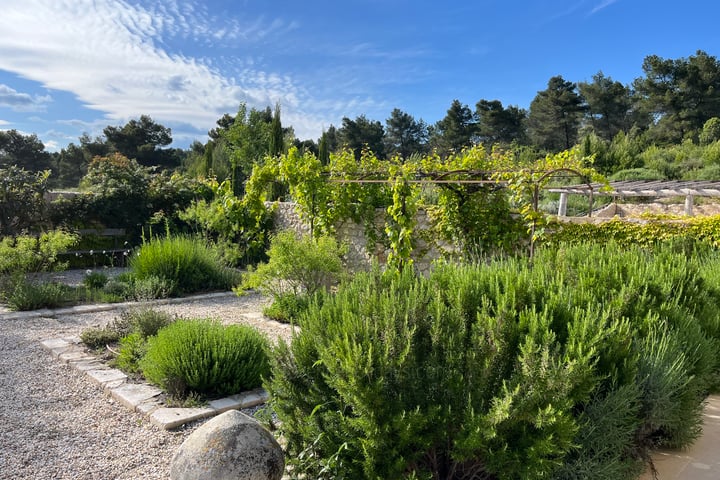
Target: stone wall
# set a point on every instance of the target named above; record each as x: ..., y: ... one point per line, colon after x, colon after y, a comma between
x: 360, y: 256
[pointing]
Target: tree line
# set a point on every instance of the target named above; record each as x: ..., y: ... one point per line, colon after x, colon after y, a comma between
x: 675, y: 101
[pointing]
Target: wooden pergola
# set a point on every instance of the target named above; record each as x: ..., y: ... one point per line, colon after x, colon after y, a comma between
x: 643, y: 188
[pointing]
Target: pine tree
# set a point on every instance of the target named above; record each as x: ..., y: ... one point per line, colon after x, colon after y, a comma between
x: 555, y: 115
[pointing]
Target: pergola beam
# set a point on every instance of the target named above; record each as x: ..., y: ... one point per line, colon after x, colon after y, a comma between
x: 654, y: 189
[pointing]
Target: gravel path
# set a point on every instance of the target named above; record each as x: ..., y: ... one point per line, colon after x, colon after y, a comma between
x: 56, y: 424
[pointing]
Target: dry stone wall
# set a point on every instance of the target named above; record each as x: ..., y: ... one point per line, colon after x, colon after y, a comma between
x: 361, y: 253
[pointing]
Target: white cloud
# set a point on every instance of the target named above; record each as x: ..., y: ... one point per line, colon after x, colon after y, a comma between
x: 601, y: 5
x: 111, y: 55
x: 52, y: 146
x: 22, y: 102
x: 4, y: 123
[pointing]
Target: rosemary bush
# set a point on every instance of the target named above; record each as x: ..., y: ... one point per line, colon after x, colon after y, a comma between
x: 572, y: 366
x: 203, y: 356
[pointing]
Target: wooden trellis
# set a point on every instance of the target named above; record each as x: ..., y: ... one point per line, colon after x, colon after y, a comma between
x: 654, y: 189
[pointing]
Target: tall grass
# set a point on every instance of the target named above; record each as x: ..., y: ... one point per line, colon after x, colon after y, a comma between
x: 184, y: 263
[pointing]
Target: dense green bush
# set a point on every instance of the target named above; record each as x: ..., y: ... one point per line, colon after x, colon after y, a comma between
x: 132, y: 349
x: 99, y: 337
x: 298, y: 267
x: 184, y: 265
x: 569, y: 367
x: 96, y: 280
x: 203, y: 356
x: 147, y: 322
x: 152, y: 287
x: 29, y: 253
x: 118, y: 192
x: 132, y: 331
x: 121, y: 289
x: 22, y: 206
x: 681, y: 233
x: 287, y: 307
x: 635, y: 174
x: 239, y: 232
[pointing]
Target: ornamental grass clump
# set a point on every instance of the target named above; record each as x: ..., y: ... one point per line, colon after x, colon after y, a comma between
x: 183, y: 264
x: 206, y: 357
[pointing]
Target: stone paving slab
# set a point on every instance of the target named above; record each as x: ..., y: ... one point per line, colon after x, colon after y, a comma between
x: 701, y: 461
x: 169, y: 418
x: 149, y: 406
x: 251, y: 398
x: 73, y: 356
x: 133, y: 394
x: 109, y: 386
x: 104, y: 377
x: 55, y: 343
x: 224, y: 404
x: 93, y: 364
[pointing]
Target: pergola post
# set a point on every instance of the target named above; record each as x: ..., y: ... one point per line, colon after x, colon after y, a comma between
x: 562, y: 207
x: 689, y: 205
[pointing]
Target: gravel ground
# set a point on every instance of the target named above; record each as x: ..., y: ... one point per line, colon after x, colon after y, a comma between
x: 55, y: 423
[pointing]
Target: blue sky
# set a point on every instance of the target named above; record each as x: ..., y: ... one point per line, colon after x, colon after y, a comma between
x: 74, y: 66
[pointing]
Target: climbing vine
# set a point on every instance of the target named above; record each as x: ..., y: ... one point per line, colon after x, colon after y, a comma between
x: 402, y: 216
x: 482, y: 201
x: 525, y: 182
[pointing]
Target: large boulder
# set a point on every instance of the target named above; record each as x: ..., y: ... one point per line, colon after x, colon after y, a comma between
x: 229, y: 446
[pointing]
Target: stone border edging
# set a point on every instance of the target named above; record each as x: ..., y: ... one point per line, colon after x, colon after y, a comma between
x: 104, y: 307
x: 141, y: 397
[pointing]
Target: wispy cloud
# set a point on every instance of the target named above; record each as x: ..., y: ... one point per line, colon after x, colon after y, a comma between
x: 602, y: 5
x: 22, y: 102
x: 567, y: 11
x: 4, y: 123
x: 111, y: 54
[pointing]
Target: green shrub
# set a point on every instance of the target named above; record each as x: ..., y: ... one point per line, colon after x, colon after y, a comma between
x: 22, y: 206
x: 184, y: 264
x: 30, y: 254
x: 99, y: 337
x: 297, y: 265
x: 147, y: 322
x: 96, y: 280
x: 412, y: 378
x: 118, y: 192
x: 634, y: 174
x: 603, y: 444
x: 287, y: 307
x: 28, y: 295
x: 206, y: 357
x: 152, y: 287
x: 577, y: 362
x: 709, y: 173
x: 118, y: 288
x: 143, y: 321
x: 132, y: 348
x: 239, y: 232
